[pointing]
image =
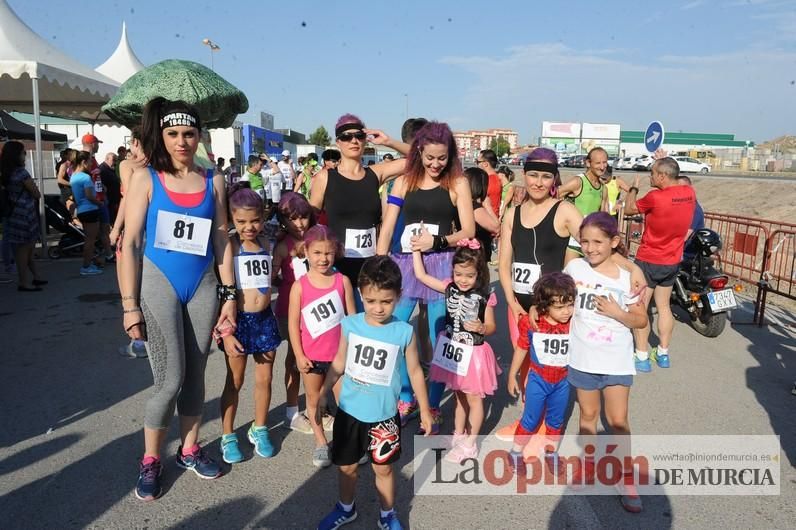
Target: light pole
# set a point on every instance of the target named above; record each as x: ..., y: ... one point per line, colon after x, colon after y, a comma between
x: 213, y: 48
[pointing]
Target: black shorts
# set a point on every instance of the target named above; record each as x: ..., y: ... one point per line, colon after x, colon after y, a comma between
x: 320, y: 367
x: 656, y: 275
x: 89, y: 217
x: 381, y: 440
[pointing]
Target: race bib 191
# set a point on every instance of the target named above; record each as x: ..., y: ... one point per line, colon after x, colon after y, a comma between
x: 300, y: 267
x: 360, y: 243
x: 182, y: 233
x: 452, y: 356
x: 551, y: 350
x: 323, y: 314
x: 523, y: 276
x: 413, y: 230
x: 254, y: 271
x: 370, y: 361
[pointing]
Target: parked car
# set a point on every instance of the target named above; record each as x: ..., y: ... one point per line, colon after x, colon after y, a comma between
x: 576, y: 161
x: 644, y: 163
x: 691, y: 165
x: 626, y: 162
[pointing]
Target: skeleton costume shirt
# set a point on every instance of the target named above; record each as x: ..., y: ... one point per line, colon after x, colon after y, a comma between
x: 460, y: 307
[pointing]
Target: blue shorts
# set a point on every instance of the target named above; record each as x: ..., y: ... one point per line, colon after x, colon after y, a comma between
x: 104, y: 215
x: 258, y: 332
x: 587, y: 381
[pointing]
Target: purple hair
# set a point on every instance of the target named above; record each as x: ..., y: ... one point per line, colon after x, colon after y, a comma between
x: 543, y: 154
x: 607, y: 225
x: 244, y: 197
x: 433, y: 132
x: 348, y: 119
x: 294, y: 204
x: 322, y: 233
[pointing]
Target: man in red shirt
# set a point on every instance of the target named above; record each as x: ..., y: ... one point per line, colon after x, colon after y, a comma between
x: 668, y: 209
x: 488, y: 161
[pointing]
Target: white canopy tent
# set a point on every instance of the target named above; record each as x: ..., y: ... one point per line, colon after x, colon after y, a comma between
x: 37, y: 77
x: 123, y: 63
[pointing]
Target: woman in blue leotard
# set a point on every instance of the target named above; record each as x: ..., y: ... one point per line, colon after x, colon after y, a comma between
x: 169, y: 296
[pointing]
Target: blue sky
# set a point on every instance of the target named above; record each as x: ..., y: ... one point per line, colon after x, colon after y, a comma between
x: 725, y: 66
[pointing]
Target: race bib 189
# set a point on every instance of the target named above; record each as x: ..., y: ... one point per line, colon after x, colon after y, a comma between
x: 323, y: 314
x: 523, y: 276
x: 182, y: 233
x: 300, y: 266
x: 254, y: 271
x: 370, y: 361
x: 551, y: 350
x: 452, y: 356
x: 360, y: 243
x: 413, y: 230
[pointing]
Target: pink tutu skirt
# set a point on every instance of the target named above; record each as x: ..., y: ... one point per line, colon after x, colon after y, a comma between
x: 481, y: 378
x: 437, y: 264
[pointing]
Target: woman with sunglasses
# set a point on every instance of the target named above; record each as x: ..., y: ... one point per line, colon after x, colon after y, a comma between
x: 349, y: 193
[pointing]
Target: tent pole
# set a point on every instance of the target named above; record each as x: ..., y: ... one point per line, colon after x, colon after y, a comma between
x: 37, y: 163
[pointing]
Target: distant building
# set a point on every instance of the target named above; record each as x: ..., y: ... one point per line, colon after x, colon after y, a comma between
x: 470, y: 142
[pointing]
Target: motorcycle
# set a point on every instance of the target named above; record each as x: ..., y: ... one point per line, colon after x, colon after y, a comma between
x: 700, y: 288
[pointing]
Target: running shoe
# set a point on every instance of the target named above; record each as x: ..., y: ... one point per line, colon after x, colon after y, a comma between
x: 390, y: 522
x: 258, y: 436
x: 320, y: 457
x: 661, y: 360
x: 461, y: 452
x: 407, y: 410
x: 337, y: 518
x: 455, y: 439
x: 506, y: 434
x: 198, y: 462
x: 91, y: 270
x: 148, y: 486
x: 300, y: 423
x: 135, y: 349
x: 328, y: 422
x: 629, y: 497
x: 436, y: 421
x: 644, y: 366
x: 230, y: 451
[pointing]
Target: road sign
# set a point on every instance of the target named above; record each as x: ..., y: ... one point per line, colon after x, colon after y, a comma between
x: 653, y: 138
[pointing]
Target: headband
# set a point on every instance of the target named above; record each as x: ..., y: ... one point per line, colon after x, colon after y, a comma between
x: 537, y: 165
x: 174, y: 119
x: 348, y: 127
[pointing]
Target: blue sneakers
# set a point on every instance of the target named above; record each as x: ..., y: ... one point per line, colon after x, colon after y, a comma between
x: 230, y: 452
x: 390, y: 522
x: 258, y: 436
x: 338, y: 517
x: 642, y: 366
x: 148, y: 486
x: 198, y: 462
x: 661, y: 360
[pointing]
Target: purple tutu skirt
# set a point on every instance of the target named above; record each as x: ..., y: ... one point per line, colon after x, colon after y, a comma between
x: 437, y: 264
x: 481, y: 378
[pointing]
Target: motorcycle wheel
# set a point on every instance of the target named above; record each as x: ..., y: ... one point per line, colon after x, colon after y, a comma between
x: 709, y: 324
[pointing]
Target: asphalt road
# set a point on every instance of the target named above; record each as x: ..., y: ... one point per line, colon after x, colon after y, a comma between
x: 72, y: 411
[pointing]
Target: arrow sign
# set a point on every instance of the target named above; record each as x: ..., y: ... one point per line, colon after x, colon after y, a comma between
x: 654, y: 136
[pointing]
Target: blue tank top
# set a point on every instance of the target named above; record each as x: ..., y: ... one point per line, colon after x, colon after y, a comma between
x: 260, y: 252
x: 183, y: 270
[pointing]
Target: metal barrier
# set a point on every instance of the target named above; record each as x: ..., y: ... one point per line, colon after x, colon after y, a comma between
x: 779, y: 270
x: 743, y: 247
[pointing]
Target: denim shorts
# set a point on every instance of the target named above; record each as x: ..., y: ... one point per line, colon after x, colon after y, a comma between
x: 587, y: 381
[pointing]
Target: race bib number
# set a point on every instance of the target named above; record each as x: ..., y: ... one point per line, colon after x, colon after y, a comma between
x: 370, y: 361
x: 413, y: 230
x: 287, y: 178
x: 300, y: 267
x: 360, y: 243
x: 276, y: 188
x: 323, y: 314
x: 182, y: 233
x: 98, y: 188
x: 254, y: 272
x: 551, y: 350
x: 523, y: 276
x: 586, y: 302
x: 452, y: 356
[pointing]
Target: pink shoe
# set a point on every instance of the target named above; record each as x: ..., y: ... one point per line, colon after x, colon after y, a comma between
x: 456, y: 439
x: 462, y: 451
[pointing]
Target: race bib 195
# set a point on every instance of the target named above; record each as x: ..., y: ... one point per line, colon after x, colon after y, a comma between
x: 452, y: 356
x: 523, y: 276
x: 413, y: 230
x: 254, y: 271
x: 551, y: 350
x: 182, y: 233
x: 360, y: 243
x: 370, y: 361
x: 323, y: 314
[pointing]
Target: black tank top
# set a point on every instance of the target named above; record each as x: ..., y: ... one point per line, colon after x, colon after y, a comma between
x: 432, y: 206
x: 539, y: 245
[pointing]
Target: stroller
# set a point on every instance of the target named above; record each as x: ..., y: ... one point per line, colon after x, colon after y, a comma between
x: 58, y: 218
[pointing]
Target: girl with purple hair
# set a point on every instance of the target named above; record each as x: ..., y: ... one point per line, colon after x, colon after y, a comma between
x: 433, y: 196
x: 349, y: 193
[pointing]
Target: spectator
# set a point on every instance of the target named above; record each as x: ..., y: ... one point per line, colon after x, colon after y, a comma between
x: 88, y: 210
x: 698, y: 221
x: 488, y: 161
x: 252, y: 175
x: 220, y: 165
x: 112, y: 184
x: 331, y: 158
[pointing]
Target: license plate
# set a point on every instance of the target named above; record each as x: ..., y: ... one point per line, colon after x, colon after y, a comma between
x: 722, y: 300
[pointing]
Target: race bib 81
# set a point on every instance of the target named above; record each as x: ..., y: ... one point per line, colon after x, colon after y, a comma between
x: 182, y: 233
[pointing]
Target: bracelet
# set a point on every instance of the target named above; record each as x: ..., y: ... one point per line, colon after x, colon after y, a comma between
x: 440, y: 243
x: 226, y: 292
x: 632, y: 189
x: 133, y: 310
x: 129, y: 298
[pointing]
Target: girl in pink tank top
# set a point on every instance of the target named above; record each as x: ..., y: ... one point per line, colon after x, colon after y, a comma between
x: 318, y: 302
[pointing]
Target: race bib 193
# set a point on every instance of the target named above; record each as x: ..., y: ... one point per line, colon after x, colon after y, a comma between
x: 360, y: 243
x: 182, y: 233
x: 551, y: 350
x: 413, y: 230
x: 253, y: 271
x: 370, y: 361
x: 523, y: 276
x: 452, y: 356
x: 323, y: 314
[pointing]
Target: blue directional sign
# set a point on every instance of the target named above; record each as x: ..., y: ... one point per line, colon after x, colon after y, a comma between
x: 653, y: 138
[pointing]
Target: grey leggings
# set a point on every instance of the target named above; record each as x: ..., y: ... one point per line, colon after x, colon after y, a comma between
x: 179, y: 341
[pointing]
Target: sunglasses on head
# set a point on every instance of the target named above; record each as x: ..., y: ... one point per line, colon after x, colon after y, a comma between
x: 349, y: 136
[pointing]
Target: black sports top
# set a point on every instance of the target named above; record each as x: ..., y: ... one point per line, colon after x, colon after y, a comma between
x: 539, y: 245
x: 432, y: 206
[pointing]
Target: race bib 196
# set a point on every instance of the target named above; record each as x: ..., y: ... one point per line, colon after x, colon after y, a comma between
x: 300, y: 266
x: 254, y: 271
x: 182, y: 233
x: 370, y: 361
x: 551, y: 350
x: 523, y: 276
x: 360, y: 243
x: 323, y: 314
x: 452, y: 356
x: 413, y: 230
